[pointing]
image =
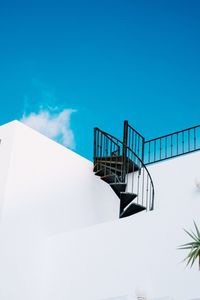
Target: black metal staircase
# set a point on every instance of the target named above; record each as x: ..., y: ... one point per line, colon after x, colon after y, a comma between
x: 123, y: 164
x: 123, y: 169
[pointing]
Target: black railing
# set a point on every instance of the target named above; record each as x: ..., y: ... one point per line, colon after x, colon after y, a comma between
x: 127, y: 160
x: 108, y: 149
x: 172, y: 145
x: 118, y: 159
x: 134, y: 140
x: 164, y: 147
x: 105, y: 146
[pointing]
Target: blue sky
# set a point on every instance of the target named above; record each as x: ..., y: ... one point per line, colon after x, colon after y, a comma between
x: 106, y: 60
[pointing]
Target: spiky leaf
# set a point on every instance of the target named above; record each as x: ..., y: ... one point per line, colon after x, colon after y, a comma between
x: 193, y: 246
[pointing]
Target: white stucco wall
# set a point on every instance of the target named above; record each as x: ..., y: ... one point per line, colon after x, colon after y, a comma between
x: 46, y: 189
x: 140, y: 252
x: 59, y: 233
x: 6, y: 148
x: 51, y: 183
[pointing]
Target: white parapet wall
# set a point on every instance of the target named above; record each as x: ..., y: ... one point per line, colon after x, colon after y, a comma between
x: 46, y: 189
x: 135, y: 253
x: 60, y: 236
x: 46, y: 181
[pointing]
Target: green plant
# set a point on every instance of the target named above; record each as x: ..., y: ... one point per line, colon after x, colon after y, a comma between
x: 193, y: 246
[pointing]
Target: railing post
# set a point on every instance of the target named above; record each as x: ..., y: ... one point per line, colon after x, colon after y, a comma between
x: 124, y: 158
x: 143, y: 143
x: 95, y: 144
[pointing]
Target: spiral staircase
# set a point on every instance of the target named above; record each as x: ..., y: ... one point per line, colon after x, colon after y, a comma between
x: 120, y: 164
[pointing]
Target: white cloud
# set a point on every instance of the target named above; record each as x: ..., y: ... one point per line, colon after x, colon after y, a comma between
x: 54, y: 125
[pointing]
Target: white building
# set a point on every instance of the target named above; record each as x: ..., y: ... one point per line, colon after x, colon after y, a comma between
x: 60, y: 232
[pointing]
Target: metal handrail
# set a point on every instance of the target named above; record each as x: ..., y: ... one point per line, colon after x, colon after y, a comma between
x: 169, y: 134
x: 172, y: 145
x: 163, y: 147
x: 134, y: 140
x: 128, y: 148
x: 142, y: 163
x: 134, y: 129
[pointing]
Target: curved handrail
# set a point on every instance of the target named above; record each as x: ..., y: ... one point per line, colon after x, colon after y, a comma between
x: 111, y: 137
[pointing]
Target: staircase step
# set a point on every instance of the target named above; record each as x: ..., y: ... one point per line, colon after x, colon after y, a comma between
x: 111, y: 178
x: 115, y: 166
x: 106, y: 171
x: 118, y: 188
x: 126, y: 199
x: 109, y: 162
x: 117, y: 163
x: 111, y: 158
x: 132, y: 209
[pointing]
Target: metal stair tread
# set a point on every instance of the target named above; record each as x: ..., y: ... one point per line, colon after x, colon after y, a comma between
x: 132, y: 209
x: 106, y: 171
x: 111, y: 178
x: 125, y: 199
x: 118, y: 187
x: 117, y: 164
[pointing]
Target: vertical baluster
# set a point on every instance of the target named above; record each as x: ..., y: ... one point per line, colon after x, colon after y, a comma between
x: 98, y: 150
x: 132, y: 139
x: 142, y: 186
x: 150, y: 196
x: 160, y: 149
x: 171, y: 145
x: 106, y: 147
x: 116, y: 166
x: 183, y: 141
x: 147, y: 191
x: 138, y: 185
x: 127, y: 167
x: 140, y: 148
x: 135, y: 145
x: 114, y: 171
x: 97, y: 143
x: 103, y: 146
x: 112, y: 149
x: 143, y: 149
x: 115, y: 159
x: 135, y: 148
x: 154, y: 150
x: 122, y: 171
x: 132, y: 174
x: 165, y: 147
x: 101, y: 142
x: 128, y: 137
x: 102, y: 149
x: 149, y: 151
x: 177, y: 143
x: 189, y: 140
x: 195, y: 139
